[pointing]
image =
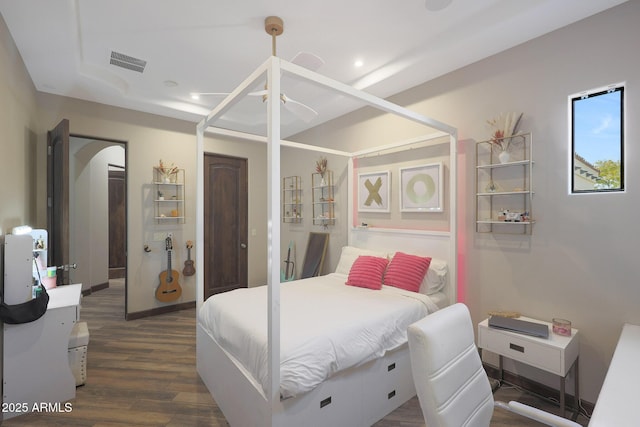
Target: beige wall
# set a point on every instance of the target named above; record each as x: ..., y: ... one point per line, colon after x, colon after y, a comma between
x: 299, y: 162
x: 19, y: 127
x: 148, y: 139
x: 579, y: 263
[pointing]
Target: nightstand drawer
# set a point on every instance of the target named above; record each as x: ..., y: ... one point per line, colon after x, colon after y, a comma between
x: 522, y: 349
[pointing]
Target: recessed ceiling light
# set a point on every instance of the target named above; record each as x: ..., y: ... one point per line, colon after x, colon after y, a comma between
x: 195, y: 96
x: 358, y: 63
x: 170, y: 83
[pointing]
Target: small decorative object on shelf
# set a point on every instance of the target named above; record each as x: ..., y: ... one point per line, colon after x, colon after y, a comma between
x: 507, y: 216
x: 321, y: 168
x: 169, y: 174
x: 503, y: 128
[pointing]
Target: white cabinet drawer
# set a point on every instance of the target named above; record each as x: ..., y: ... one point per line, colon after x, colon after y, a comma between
x: 555, y: 354
x: 525, y: 351
x: 331, y: 403
x: 389, y: 385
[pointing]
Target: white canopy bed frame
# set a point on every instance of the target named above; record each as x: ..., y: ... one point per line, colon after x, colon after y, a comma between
x: 348, y: 398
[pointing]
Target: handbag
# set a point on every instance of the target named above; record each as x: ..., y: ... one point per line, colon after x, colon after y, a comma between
x: 25, y: 312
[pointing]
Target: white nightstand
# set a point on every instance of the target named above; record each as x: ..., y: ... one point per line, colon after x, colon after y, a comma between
x: 556, y: 354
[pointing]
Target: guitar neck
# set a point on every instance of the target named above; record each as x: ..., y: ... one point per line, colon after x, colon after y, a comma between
x: 169, y: 248
x: 169, y: 275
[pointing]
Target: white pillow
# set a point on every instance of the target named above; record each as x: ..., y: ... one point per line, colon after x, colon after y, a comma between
x: 436, y: 277
x: 350, y: 254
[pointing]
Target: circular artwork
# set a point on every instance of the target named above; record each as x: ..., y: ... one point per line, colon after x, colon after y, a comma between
x: 420, y: 188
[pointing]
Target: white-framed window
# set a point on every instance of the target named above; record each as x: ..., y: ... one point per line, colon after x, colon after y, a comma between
x: 597, y: 140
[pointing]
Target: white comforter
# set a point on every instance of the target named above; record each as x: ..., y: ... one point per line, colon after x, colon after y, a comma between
x: 326, y: 327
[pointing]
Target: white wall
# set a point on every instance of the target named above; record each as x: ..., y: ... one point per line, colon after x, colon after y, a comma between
x: 579, y: 262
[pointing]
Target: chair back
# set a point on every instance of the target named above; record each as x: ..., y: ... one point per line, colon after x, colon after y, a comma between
x: 452, y: 386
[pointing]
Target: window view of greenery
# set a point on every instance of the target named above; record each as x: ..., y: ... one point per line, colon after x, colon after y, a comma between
x: 597, y: 141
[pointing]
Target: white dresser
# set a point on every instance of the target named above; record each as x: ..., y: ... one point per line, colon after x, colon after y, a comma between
x: 36, y: 363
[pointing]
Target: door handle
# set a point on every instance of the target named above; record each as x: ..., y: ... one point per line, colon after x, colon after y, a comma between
x: 243, y: 245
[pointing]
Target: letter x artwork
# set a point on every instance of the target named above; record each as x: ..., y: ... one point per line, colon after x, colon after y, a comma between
x: 373, y: 192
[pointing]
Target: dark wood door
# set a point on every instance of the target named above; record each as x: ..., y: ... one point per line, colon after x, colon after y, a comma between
x: 225, y: 223
x: 117, y: 224
x: 58, y: 198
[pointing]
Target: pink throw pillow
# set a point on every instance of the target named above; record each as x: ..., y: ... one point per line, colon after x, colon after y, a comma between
x: 367, y: 272
x: 406, y: 271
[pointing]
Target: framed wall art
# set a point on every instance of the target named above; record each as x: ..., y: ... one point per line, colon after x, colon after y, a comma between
x: 421, y: 188
x: 374, y: 192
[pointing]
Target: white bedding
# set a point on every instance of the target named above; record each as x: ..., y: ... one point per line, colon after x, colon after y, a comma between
x: 326, y: 327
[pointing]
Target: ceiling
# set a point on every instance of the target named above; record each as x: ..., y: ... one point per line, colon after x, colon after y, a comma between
x: 213, y: 45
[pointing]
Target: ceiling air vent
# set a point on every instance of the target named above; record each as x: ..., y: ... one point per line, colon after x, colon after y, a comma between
x: 128, y: 62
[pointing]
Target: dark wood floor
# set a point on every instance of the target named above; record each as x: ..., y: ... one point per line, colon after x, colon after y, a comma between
x: 142, y: 373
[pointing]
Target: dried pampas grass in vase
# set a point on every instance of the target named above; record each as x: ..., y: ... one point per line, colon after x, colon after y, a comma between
x: 504, y: 127
x: 321, y: 168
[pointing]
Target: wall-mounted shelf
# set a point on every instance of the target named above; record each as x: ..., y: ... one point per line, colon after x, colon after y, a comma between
x: 504, y: 193
x: 292, y: 199
x: 323, y: 199
x: 169, y: 197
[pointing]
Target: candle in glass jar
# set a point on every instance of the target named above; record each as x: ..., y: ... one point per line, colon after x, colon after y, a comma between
x: 562, y: 327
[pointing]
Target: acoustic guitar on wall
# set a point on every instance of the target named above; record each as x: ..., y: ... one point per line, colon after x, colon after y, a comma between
x: 189, y: 269
x: 169, y: 288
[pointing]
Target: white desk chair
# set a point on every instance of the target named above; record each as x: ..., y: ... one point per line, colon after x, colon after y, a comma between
x: 452, y: 386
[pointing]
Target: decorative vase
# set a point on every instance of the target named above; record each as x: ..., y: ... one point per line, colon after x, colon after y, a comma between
x: 322, y: 181
x: 504, y: 156
x: 491, y: 187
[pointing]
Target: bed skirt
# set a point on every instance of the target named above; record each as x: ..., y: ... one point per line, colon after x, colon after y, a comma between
x: 359, y: 396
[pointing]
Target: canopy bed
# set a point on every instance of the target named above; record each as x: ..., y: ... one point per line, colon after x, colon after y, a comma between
x: 261, y: 390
